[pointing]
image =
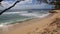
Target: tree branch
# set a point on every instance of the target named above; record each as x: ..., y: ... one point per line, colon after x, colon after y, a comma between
x: 9, y: 7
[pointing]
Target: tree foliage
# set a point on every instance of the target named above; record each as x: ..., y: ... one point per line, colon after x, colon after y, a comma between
x: 57, y: 3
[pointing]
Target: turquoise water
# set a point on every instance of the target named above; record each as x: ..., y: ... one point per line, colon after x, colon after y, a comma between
x: 13, y: 17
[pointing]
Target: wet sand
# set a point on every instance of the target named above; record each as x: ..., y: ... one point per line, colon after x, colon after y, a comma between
x: 47, y: 25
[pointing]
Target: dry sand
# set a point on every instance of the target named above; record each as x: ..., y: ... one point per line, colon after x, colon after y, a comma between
x: 47, y: 25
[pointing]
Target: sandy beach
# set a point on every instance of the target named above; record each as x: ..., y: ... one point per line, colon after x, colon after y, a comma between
x: 47, y: 25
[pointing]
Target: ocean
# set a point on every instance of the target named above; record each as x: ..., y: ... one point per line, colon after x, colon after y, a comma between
x: 17, y: 16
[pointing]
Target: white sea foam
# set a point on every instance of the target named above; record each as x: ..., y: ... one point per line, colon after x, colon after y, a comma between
x: 25, y: 13
x: 4, y: 26
x: 34, y: 15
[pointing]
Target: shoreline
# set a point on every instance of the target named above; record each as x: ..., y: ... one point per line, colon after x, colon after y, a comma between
x: 21, y: 21
x: 14, y: 26
x: 30, y: 26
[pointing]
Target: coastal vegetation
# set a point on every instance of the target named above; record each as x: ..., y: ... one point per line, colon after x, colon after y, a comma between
x: 56, y: 3
x: 52, y: 2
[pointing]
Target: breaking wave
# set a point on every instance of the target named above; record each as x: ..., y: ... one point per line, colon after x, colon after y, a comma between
x: 12, y: 17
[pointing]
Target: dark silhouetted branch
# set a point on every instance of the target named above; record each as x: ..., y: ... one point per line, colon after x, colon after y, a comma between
x: 9, y: 7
